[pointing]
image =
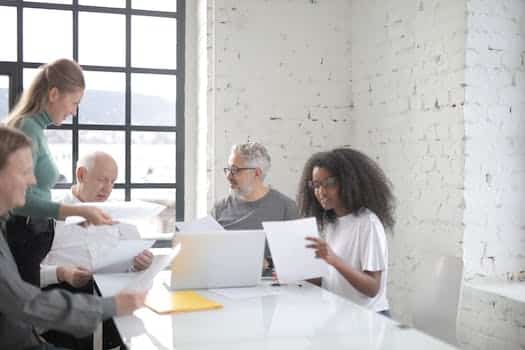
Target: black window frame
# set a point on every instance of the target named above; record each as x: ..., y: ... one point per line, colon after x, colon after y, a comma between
x: 15, y: 71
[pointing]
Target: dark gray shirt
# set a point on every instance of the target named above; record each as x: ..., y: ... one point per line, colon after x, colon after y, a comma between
x: 235, y: 214
x: 24, y: 307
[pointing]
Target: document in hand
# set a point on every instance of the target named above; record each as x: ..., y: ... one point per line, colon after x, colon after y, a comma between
x: 119, y: 210
x: 120, y: 257
x: 292, y: 260
x: 165, y: 302
x: 144, y: 279
x: 207, y: 223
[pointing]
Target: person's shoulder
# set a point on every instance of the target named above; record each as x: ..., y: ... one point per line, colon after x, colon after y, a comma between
x: 369, y: 219
x: 30, y: 126
x: 281, y: 196
x: 223, y: 202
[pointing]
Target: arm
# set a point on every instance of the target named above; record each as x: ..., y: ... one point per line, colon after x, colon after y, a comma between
x: 93, y: 215
x: 366, y: 282
x: 78, y: 314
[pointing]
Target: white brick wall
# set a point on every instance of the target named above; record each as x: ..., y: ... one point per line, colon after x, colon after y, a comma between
x: 407, y: 63
x: 282, y: 77
x: 495, y: 138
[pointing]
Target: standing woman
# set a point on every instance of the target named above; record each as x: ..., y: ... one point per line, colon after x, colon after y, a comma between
x: 351, y: 199
x: 52, y: 97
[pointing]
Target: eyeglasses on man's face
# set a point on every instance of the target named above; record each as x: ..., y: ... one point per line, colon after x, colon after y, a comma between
x: 329, y: 182
x: 234, y: 171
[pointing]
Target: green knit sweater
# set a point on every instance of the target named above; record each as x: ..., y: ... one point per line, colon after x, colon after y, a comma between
x: 38, y: 197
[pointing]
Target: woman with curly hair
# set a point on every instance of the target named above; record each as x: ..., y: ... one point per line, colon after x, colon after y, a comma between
x: 352, y: 200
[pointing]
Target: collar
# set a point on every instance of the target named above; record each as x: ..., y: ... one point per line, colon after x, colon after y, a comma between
x: 43, y: 119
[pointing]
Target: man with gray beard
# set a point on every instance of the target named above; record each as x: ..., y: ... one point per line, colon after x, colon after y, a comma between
x: 251, y: 201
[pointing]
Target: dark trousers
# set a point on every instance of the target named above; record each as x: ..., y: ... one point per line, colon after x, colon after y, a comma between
x: 111, y: 337
x: 30, y: 240
x: 63, y: 339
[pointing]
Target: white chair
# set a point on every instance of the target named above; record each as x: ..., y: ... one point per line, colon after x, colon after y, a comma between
x: 435, y: 307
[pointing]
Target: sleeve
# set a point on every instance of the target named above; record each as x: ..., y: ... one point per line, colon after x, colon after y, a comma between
x: 373, y: 245
x: 38, y: 207
x: 48, y: 275
x: 291, y: 212
x: 77, y: 314
x: 216, y: 210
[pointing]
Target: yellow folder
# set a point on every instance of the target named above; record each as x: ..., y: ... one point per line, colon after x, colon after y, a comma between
x: 181, y: 301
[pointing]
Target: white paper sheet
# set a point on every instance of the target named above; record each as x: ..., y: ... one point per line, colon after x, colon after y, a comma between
x: 144, y: 280
x: 119, y: 258
x: 105, y: 248
x: 118, y: 210
x: 292, y: 260
x: 207, y: 223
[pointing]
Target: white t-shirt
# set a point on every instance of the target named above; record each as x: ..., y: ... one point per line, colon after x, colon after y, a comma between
x: 360, y: 241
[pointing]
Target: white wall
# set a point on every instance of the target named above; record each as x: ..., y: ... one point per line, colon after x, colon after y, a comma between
x: 281, y: 77
x: 407, y: 72
x: 495, y: 139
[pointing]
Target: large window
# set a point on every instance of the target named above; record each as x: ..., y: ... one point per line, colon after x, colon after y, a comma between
x: 132, y: 53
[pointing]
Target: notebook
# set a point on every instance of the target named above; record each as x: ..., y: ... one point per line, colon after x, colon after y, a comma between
x: 182, y: 301
x: 218, y: 259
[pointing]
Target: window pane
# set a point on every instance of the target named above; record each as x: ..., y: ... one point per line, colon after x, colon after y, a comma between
x: 118, y: 194
x: 54, y: 1
x: 107, y: 52
x: 49, y: 29
x: 29, y: 75
x: 61, y: 147
x: 165, y: 222
x: 4, y: 96
x: 152, y: 157
x: 8, y: 30
x: 104, y: 99
x: 156, y: 5
x: 104, y: 3
x: 154, y: 42
x: 111, y: 142
x: 153, y: 99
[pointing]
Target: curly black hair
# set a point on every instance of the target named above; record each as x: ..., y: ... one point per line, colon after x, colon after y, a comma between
x: 361, y: 181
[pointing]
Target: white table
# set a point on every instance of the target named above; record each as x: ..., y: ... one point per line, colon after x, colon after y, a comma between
x: 295, y: 317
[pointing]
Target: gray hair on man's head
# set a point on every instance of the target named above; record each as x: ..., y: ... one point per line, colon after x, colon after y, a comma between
x: 255, y: 155
x: 88, y: 160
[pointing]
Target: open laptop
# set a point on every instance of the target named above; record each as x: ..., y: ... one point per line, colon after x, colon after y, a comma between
x: 218, y: 259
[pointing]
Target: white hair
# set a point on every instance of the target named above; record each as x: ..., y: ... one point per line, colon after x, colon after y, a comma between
x: 255, y: 155
x: 88, y: 160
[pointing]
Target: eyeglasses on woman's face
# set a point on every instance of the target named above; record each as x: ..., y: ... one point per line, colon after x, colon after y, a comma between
x: 328, y: 183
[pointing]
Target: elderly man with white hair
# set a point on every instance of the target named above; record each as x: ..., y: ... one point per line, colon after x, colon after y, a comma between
x: 96, y: 173
x: 71, y: 263
x: 251, y: 201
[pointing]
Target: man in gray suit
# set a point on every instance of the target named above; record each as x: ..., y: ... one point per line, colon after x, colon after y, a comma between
x: 25, y: 308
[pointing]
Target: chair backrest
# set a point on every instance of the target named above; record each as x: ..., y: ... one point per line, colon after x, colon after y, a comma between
x: 435, y: 307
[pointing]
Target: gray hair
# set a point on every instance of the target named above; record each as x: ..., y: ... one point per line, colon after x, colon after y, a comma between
x: 89, y: 159
x: 255, y: 155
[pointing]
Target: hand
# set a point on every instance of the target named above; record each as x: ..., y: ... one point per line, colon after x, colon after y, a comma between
x: 74, y: 276
x: 142, y: 261
x: 322, y: 250
x: 127, y: 302
x: 95, y: 216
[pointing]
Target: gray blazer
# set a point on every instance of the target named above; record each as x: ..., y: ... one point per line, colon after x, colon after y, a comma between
x: 24, y: 307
